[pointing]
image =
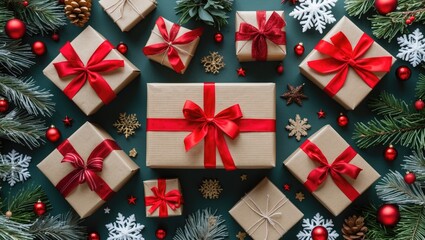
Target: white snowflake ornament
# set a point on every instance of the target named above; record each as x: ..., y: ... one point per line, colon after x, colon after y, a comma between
x: 412, y: 47
x: 18, y: 164
x: 317, y: 220
x: 314, y: 13
x: 125, y: 229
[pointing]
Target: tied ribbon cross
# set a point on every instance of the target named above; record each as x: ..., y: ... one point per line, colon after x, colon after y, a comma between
x: 343, y: 57
x: 120, y: 4
x: 163, y: 200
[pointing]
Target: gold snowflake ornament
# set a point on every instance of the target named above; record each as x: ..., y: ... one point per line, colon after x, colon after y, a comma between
x: 126, y: 124
x: 298, y: 127
x: 213, y: 62
x: 210, y: 189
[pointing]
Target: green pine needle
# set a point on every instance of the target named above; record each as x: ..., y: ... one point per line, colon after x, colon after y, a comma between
x: 60, y: 227
x: 358, y: 8
x: 388, y: 104
x: 416, y: 163
x: 15, y: 57
x: 375, y: 230
x: 11, y: 230
x: 412, y: 222
x: 420, y: 87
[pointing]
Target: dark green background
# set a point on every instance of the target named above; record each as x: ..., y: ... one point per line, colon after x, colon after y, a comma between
x: 133, y: 100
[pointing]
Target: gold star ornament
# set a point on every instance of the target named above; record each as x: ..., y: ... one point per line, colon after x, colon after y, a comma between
x: 244, y: 177
x: 132, y: 153
x: 299, y: 196
x: 241, y: 235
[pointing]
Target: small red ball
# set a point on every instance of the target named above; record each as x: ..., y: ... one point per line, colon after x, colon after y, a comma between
x: 39, y: 208
x: 385, y: 6
x: 342, y: 120
x: 55, y: 37
x: 39, y: 48
x: 122, y: 48
x: 4, y: 105
x: 319, y: 233
x: 410, y: 178
x: 93, y: 236
x: 160, y: 234
x: 53, y: 134
x: 408, y: 21
x: 419, y: 105
x: 390, y: 153
x: 218, y: 37
x: 403, y: 73
x: 25, y: 3
x: 279, y: 69
x: 15, y: 28
x: 388, y: 215
x: 299, y: 49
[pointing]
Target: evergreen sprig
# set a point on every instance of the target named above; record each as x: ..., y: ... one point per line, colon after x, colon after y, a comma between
x: 15, y: 56
x: 420, y: 87
x: 358, y: 8
x: 388, y: 104
x: 11, y: 230
x: 416, y: 163
x: 375, y: 230
x: 60, y: 227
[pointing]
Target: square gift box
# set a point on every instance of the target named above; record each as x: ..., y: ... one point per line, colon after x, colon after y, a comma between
x: 87, y: 168
x: 163, y: 198
x: 347, y: 64
x: 265, y: 213
x: 90, y: 71
x: 211, y: 125
x: 328, y: 166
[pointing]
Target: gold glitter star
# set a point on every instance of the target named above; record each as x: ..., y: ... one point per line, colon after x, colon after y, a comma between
x: 132, y: 153
x: 299, y: 196
x: 241, y: 235
x: 244, y: 177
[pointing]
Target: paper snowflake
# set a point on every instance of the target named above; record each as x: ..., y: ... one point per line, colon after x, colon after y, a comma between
x: 125, y: 229
x: 298, y: 127
x: 17, y: 165
x: 314, y: 13
x: 412, y: 47
x: 126, y: 124
x: 213, y: 62
x: 210, y: 188
x: 317, y: 220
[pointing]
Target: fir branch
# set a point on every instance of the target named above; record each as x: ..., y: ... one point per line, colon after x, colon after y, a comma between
x: 5, y: 15
x: 14, y: 56
x: 416, y: 163
x: 375, y: 230
x: 10, y: 230
x: 420, y: 87
x: 412, y: 222
x: 388, y: 104
x: 60, y: 227
x: 358, y: 8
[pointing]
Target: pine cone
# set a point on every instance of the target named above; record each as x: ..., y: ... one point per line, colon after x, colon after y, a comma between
x: 78, y: 11
x: 354, y: 228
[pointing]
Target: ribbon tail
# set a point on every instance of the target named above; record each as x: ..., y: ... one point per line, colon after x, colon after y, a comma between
x: 224, y: 151
x: 345, y: 186
x: 210, y: 147
x: 337, y: 82
x: 101, y: 87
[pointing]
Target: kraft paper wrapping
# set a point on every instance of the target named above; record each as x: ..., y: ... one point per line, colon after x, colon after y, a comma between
x: 332, y: 145
x: 171, y: 184
x: 85, y: 44
x: 118, y: 168
x: 186, y: 51
x: 127, y: 13
x: 250, y: 150
x: 265, y: 195
x: 244, y: 48
x: 355, y: 89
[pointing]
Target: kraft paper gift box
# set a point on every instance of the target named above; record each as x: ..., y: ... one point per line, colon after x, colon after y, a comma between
x: 262, y: 202
x: 97, y: 86
x: 328, y: 150
x: 348, y: 80
x: 170, y: 146
x: 250, y: 46
x: 83, y: 149
x: 163, y: 198
x: 127, y: 13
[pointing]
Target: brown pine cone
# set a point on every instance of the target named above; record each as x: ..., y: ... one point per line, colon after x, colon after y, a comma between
x: 354, y: 228
x: 78, y: 11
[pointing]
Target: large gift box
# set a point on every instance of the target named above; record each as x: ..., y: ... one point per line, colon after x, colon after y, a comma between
x: 172, y: 45
x: 328, y: 166
x: 223, y: 125
x: 90, y: 71
x: 127, y: 13
x: 260, y: 36
x: 347, y: 64
x: 87, y: 168
x: 163, y: 198
x: 265, y: 213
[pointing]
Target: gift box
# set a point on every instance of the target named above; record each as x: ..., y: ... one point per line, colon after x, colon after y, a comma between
x: 90, y: 71
x: 87, y: 168
x: 265, y: 213
x: 172, y: 45
x: 328, y: 166
x: 260, y: 36
x: 347, y: 64
x: 127, y: 13
x: 221, y: 125
x: 163, y: 198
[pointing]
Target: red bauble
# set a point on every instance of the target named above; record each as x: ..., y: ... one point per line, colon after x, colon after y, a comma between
x: 39, y: 48
x: 39, y: 208
x: 319, y: 233
x: 25, y: 3
x: 299, y: 49
x: 93, y: 236
x: 122, y: 48
x: 218, y: 37
x: 4, y: 105
x: 53, y: 134
x: 408, y: 21
x: 342, y: 120
x: 15, y: 28
x: 390, y: 153
x: 279, y: 69
x: 385, y: 6
x: 55, y: 37
x: 410, y: 178
x: 403, y: 73
x: 160, y: 234
x: 419, y: 105
x: 388, y: 215
x: 412, y: 18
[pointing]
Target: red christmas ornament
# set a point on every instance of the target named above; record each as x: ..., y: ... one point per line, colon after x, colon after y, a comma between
x: 410, y: 178
x: 287, y: 187
x: 342, y: 120
x: 55, y: 37
x: 53, y: 134
x: 403, y: 73
x: 299, y: 49
x: 160, y: 234
x: 321, y: 114
x: 25, y: 3
x: 15, y: 28
x: 122, y: 48
x: 319, y: 233
x: 241, y: 72
x: 279, y: 69
x: 388, y: 215
x: 385, y: 6
x: 390, y: 153
x: 4, y: 105
x: 93, y: 236
x: 132, y: 200
x: 218, y: 37
x: 67, y: 121
x: 419, y: 105
x: 408, y: 21
x: 39, y: 48
x: 412, y: 18
x: 39, y: 208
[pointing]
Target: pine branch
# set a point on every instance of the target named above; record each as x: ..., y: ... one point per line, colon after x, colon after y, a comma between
x: 420, y: 87
x: 416, y: 163
x: 375, y: 230
x: 358, y: 7
x: 14, y: 56
x: 10, y: 230
x: 5, y: 15
x: 388, y: 104
x: 412, y: 222
x: 60, y: 227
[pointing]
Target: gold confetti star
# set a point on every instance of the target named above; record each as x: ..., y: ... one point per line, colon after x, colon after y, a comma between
x: 299, y: 196
x: 241, y: 235
x: 244, y: 177
x: 132, y: 153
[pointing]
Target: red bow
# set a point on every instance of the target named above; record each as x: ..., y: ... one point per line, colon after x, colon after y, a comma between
x: 271, y: 30
x: 169, y: 41
x: 338, y: 168
x: 343, y: 56
x: 161, y: 200
x: 90, y: 72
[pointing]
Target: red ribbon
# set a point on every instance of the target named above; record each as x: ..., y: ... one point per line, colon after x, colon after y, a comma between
x: 91, y: 72
x: 170, y: 41
x: 270, y: 30
x: 340, y: 166
x: 86, y: 172
x: 342, y: 57
x: 161, y: 200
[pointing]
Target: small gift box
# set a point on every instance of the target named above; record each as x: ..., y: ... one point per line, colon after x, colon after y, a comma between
x: 260, y: 36
x: 195, y: 125
x: 88, y: 168
x: 328, y: 166
x: 265, y: 213
x: 163, y: 198
x: 347, y: 64
x: 127, y: 13
x: 172, y: 45
x: 90, y: 71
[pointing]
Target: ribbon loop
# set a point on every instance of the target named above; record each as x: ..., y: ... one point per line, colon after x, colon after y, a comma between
x: 163, y: 200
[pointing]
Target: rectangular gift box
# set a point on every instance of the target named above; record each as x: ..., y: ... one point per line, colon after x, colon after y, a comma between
x: 169, y: 188
x: 332, y: 145
x: 354, y: 89
x: 266, y: 199
x: 167, y: 128
x: 117, y: 168
x: 85, y: 45
x: 127, y: 13
x: 275, y: 50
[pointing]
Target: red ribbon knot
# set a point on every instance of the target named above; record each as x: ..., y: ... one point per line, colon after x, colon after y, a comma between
x: 163, y: 200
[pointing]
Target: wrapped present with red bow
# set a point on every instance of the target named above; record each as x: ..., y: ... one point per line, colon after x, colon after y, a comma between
x: 163, y: 198
x: 347, y: 64
x: 260, y: 36
x: 328, y: 166
x: 90, y: 71
x: 88, y: 168
x: 211, y: 125
x: 172, y: 45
